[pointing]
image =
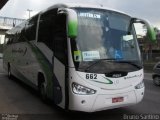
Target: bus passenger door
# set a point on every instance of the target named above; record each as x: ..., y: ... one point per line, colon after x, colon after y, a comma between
x: 60, y: 61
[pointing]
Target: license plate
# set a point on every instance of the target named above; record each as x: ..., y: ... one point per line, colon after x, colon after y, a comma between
x: 118, y: 99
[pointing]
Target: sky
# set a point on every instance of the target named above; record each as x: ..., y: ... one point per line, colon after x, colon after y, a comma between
x: 145, y: 9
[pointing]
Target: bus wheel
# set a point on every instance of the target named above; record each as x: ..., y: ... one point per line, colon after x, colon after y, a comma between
x: 42, y: 92
x: 156, y: 80
x: 9, y: 72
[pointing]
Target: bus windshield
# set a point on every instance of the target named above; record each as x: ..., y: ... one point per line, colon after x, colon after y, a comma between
x: 107, y: 37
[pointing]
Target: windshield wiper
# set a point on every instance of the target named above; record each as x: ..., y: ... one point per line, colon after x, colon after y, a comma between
x: 131, y: 63
x: 98, y: 61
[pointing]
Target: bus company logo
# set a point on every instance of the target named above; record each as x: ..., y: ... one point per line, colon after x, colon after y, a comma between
x: 116, y: 75
x: 130, y: 77
x: 20, y: 51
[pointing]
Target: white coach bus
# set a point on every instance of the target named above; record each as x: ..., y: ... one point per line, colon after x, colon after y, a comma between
x: 83, y: 58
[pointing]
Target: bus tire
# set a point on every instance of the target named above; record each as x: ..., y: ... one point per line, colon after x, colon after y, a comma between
x: 41, y: 87
x: 9, y: 72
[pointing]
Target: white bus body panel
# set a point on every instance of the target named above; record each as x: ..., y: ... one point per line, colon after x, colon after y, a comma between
x: 59, y: 71
x: 102, y: 99
x: 22, y: 61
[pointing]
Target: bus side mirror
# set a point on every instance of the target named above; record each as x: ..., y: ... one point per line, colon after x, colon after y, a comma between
x: 151, y: 34
x: 72, y: 22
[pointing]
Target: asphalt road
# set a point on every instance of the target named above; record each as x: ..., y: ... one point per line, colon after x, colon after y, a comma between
x: 21, y: 102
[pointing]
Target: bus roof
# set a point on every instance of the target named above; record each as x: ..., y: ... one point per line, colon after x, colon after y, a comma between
x: 74, y: 5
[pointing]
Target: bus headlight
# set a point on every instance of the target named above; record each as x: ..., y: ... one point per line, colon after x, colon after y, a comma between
x: 82, y: 90
x: 140, y: 85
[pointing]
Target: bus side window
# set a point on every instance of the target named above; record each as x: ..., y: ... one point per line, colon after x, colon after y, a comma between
x: 60, y: 38
x: 30, y: 29
x: 46, y: 25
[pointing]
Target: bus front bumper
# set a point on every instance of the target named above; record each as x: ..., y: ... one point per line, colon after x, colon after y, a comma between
x: 92, y: 103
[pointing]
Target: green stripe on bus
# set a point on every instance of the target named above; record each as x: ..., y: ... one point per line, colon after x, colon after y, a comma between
x: 72, y: 29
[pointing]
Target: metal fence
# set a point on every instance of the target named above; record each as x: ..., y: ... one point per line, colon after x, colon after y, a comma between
x: 7, y: 21
x: 154, y: 57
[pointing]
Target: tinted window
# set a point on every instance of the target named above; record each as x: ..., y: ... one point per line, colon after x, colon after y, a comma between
x: 30, y: 28
x: 60, y: 39
x: 46, y: 28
